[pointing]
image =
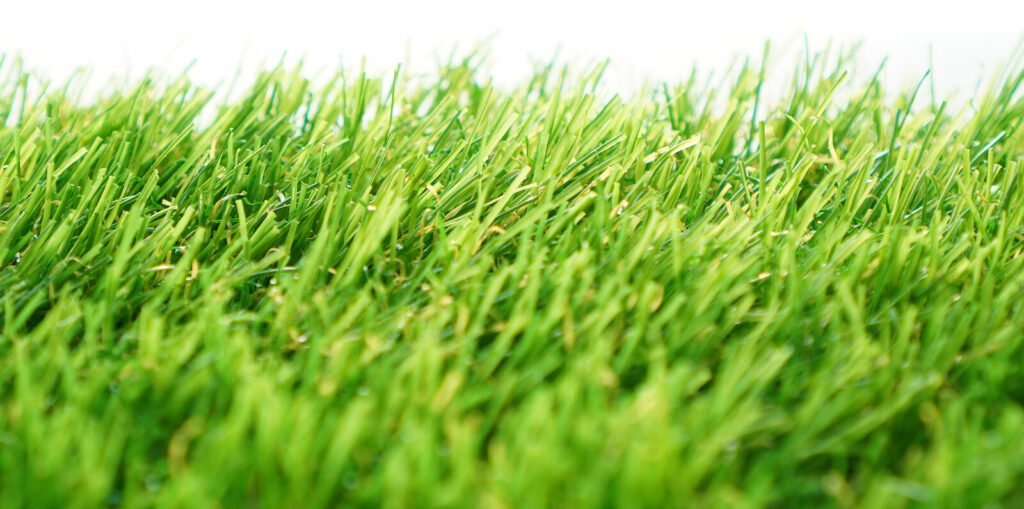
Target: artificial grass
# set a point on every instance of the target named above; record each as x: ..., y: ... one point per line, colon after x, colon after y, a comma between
x: 433, y: 292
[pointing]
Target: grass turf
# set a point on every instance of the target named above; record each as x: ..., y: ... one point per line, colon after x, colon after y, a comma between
x: 434, y: 292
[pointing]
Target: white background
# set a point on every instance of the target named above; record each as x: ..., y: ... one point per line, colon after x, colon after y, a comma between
x: 645, y: 39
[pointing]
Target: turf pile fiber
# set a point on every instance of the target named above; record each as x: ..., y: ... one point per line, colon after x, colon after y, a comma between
x: 436, y: 292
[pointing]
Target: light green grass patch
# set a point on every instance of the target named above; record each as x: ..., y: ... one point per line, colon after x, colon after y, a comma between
x: 433, y: 292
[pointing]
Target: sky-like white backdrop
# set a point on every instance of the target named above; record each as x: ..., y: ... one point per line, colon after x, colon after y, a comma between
x: 645, y: 39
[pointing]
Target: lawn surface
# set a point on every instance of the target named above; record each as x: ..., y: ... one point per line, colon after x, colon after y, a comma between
x: 430, y: 291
